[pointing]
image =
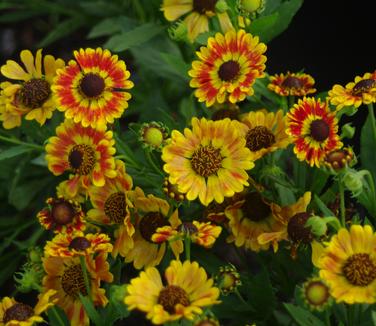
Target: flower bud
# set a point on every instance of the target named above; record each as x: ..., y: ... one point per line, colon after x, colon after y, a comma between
x: 153, y: 135
x: 221, y: 6
x: 317, y: 224
x: 178, y: 31
x: 348, y: 131
x: 353, y: 181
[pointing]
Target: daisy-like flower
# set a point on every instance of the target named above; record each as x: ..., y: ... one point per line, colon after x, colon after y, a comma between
x: 32, y: 94
x: 314, y: 130
x: 92, y: 89
x: 111, y: 206
x: 65, y: 276
x: 209, y: 161
x: 203, y: 234
x: 264, y: 132
x: 200, y: 11
x: 361, y: 91
x: 348, y: 265
x: 291, y: 225
x: 85, y: 151
x: 62, y: 215
x: 228, y: 67
x: 292, y: 84
x: 78, y: 244
x: 186, y: 292
x: 249, y: 217
x: 151, y: 214
x: 13, y: 313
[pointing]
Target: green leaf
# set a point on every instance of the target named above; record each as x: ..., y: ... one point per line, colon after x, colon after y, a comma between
x: 367, y: 149
x: 303, y: 317
x: 133, y: 38
x: 63, y: 29
x: 90, y: 310
x: 14, y: 151
x: 111, y: 26
x: 178, y: 65
x: 268, y: 27
x: 187, y: 108
x: 57, y: 317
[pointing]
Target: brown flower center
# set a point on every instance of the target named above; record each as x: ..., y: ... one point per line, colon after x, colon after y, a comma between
x: 19, y: 312
x: 359, y: 269
x: 79, y: 243
x: 187, y: 228
x: 363, y: 86
x: 82, y: 159
x: 62, y: 212
x: 150, y: 223
x: 292, y: 82
x: 206, y: 160
x: 259, y: 137
x: 254, y: 208
x: 225, y: 113
x: 202, y: 6
x: 296, y: 228
x: 228, y: 70
x: 73, y: 281
x: 319, y: 130
x: 115, y: 207
x: 34, y: 93
x: 172, y: 295
x: 92, y: 85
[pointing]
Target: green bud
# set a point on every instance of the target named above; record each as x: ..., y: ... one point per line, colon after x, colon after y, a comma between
x: 221, y: 6
x: 252, y: 7
x: 178, y: 31
x: 353, y: 181
x: 318, y: 225
x: 35, y: 255
x: 348, y: 131
x: 153, y: 135
x: 117, y: 293
x: 30, y: 278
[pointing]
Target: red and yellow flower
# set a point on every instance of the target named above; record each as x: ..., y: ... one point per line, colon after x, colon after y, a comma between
x: 348, y: 265
x: 264, y: 132
x: 62, y: 215
x: 65, y: 276
x: 361, y: 91
x: 228, y: 67
x: 203, y: 234
x: 292, y: 84
x: 13, y: 313
x: 187, y: 291
x: 209, y: 161
x: 314, y: 130
x: 199, y: 12
x: 85, y: 151
x: 91, y: 90
x: 32, y: 96
x: 111, y: 206
x: 151, y: 213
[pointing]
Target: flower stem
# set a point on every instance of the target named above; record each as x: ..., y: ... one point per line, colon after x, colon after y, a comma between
x: 342, y: 207
x: 86, y: 278
x: 327, y: 318
x: 57, y: 316
x: 372, y: 117
x: 291, y: 101
x: 19, y: 142
x: 350, y: 315
x: 152, y: 163
x: 187, y: 247
x: 236, y: 291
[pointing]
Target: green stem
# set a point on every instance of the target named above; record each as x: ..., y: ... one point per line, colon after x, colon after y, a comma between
x: 350, y: 315
x: 128, y: 161
x: 19, y: 142
x: 57, y: 316
x: 86, y: 278
x: 342, y: 201
x: 236, y: 291
x: 152, y: 163
x: 327, y: 318
x: 372, y: 116
x: 187, y: 247
x: 284, y: 104
x: 291, y: 101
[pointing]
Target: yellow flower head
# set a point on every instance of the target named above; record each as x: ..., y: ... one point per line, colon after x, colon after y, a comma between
x: 32, y: 96
x: 348, y: 265
x: 186, y: 292
x: 199, y: 12
x: 209, y: 161
x: 13, y: 313
x: 228, y: 67
x: 361, y: 91
x: 91, y: 90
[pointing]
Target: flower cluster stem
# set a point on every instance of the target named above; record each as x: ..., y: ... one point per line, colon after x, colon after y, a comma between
x: 187, y: 247
x: 342, y: 207
x: 86, y: 278
x: 372, y: 117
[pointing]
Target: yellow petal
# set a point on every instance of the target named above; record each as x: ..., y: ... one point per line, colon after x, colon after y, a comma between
x: 13, y: 70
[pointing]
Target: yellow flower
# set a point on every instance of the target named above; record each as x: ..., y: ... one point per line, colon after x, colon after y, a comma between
x: 314, y: 130
x: 228, y: 67
x: 65, y: 276
x: 13, y: 313
x: 361, y: 91
x: 348, y: 265
x: 91, y: 90
x: 151, y: 213
x: 197, y: 21
x: 209, y: 161
x: 111, y: 207
x: 32, y: 96
x: 264, y: 132
x: 186, y: 292
x: 292, y: 84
